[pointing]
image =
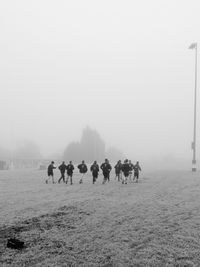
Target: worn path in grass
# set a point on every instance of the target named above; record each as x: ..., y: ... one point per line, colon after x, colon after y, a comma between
x: 153, y: 223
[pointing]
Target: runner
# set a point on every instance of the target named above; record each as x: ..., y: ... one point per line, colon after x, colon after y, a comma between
x: 50, y: 172
x: 95, y: 171
x: 62, y: 169
x: 118, y: 170
x: 137, y: 169
x: 106, y: 169
x: 82, y: 169
x: 70, y: 169
x: 131, y: 166
x: 125, y: 170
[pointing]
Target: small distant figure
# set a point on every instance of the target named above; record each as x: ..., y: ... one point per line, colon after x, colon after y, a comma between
x: 137, y: 169
x: 95, y: 171
x: 70, y: 169
x: 82, y: 169
x: 126, y: 170
x: 50, y: 172
x: 106, y: 169
x: 118, y: 170
x: 62, y: 169
x: 131, y: 167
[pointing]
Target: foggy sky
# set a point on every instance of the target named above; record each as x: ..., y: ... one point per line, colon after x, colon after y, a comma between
x: 121, y: 67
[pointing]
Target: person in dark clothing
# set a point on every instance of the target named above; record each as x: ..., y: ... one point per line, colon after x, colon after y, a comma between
x: 95, y: 171
x: 70, y: 169
x: 62, y: 169
x: 137, y: 169
x: 106, y: 169
x: 118, y: 170
x: 131, y: 166
x: 82, y: 169
x: 125, y: 170
x: 50, y: 172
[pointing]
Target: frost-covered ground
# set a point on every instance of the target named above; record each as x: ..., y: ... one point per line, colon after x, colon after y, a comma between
x: 153, y: 223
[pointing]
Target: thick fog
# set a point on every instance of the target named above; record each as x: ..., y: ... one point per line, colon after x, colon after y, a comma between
x: 121, y: 67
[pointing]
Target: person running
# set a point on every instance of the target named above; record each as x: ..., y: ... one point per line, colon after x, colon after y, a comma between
x: 95, y: 171
x: 70, y: 169
x: 131, y: 166
x: 125, y: 170
x: 82, y: 169
x: 118, y: 170
x: 106, y: 169
x: 137, y: 169
x: 62, y: 169
x: 50, y: 172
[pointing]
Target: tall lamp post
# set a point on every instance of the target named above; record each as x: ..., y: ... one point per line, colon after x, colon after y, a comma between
x: 194, y: 168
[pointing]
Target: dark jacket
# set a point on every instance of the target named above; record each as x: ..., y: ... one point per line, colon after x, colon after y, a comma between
x: 137, y: 168
x: 125, y: 168
x: 106, y: 167
x: 62, y: 168
x: 82, y: 168
x: 94, y: 168
x: 118, y: 168
x: 70, y: 169
x: 131, y: 166
x: 50, y: 169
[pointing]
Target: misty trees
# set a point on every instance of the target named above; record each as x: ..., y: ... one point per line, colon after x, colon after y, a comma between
x: 26, y: 155
x: 27, y: 150
x: 24, y: 150
x: 73, y: 152
x: 90, y: 148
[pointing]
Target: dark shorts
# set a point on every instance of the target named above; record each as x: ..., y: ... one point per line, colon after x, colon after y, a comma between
x: 50, y: 173
x: 106, y: 175
x: 95, y: 174
x: 126, y: 174
x: 136, y: 174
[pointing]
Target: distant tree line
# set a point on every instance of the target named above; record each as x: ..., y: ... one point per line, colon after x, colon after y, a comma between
x: 91, y: 147
x: 25, y: 150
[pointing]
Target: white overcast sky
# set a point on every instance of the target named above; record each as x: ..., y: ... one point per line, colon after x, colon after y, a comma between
x: 122, y: 67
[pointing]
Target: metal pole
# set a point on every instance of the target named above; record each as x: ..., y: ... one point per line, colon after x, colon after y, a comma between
x: 195, y: 115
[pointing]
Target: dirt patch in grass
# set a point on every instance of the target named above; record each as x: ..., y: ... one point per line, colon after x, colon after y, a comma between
x: 46, y: 237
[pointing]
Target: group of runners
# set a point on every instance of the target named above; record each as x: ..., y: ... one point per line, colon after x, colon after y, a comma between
x: 123, y: 171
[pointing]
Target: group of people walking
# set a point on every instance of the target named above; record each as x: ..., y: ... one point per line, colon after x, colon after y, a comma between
x: 123, y: 171
x: 127, y: 170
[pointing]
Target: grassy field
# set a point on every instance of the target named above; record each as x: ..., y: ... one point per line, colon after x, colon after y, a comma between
x: 153, y: 223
